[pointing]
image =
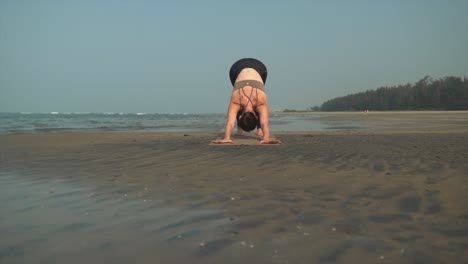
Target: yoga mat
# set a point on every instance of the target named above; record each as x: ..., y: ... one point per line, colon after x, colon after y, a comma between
x: 244, y: 139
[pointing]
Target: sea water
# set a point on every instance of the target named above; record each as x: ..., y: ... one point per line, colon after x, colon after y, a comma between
x: 55, y: 122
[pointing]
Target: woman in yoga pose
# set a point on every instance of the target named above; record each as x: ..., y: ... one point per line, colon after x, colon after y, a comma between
x: 248, y: 105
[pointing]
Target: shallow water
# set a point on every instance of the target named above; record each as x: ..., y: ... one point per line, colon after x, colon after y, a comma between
x: 47, y: 220
x: 140, y: 122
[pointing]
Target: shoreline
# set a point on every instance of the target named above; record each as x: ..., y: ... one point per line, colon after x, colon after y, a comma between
x: 280, y: 122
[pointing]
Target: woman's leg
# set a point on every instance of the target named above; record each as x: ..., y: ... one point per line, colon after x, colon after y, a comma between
x: 259, y: 127
x: 239, y: 130
x: 260, y: 132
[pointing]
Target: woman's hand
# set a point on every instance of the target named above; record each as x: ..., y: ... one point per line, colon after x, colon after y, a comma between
x: 222, y: 141
x: 271, y: 141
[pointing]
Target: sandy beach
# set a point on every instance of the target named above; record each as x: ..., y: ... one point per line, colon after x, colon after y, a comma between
x: 396, y: 194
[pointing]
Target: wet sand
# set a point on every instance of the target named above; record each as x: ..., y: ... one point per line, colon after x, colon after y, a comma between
x: 392, y: 195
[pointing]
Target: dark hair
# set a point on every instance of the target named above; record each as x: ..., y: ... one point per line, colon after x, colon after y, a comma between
x: 247, y: 121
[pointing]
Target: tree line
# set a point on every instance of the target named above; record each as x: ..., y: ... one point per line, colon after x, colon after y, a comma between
x: 448, y: 93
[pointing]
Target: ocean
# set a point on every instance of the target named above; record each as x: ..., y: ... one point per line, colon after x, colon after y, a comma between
x: 55, y: 122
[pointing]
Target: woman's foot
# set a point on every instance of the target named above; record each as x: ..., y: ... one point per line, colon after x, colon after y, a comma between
x: 260, y: 132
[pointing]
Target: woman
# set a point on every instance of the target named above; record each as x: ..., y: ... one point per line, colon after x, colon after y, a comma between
x: 248, y: 105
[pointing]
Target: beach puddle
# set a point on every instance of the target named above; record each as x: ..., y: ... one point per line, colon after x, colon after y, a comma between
x: 54, y: 221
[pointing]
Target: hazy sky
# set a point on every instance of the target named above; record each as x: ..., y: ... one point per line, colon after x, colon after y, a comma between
x: 174, y: 56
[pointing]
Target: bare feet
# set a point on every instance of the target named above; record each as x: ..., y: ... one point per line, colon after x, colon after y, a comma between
x: 260, y: 132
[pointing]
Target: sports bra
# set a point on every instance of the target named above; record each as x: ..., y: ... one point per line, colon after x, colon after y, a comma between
x: 249, y: 98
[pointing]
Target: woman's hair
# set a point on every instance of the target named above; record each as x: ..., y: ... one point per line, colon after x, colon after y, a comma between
x: 247, y: 121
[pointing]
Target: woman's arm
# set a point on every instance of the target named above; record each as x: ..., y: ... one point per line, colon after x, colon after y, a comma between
x: 231, y: 122
x: 231, y: 119
x: 264, y: 121
x: 265, y: 124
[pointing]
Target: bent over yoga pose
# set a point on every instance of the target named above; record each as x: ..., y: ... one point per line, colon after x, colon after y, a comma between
x: 248, y: 105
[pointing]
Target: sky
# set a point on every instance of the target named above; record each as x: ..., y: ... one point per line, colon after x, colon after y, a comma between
x: 174, y: 56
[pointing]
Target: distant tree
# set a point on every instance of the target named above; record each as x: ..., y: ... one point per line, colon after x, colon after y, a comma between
x: 448, y: 93
x: 315, y: 108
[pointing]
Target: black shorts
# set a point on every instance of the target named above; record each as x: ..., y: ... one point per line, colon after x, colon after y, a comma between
x: 241, y: 64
